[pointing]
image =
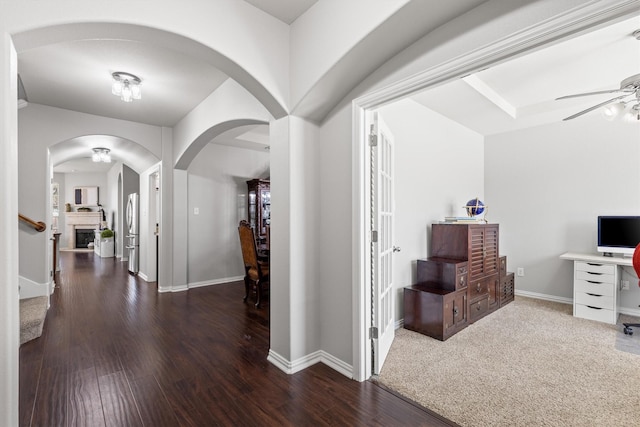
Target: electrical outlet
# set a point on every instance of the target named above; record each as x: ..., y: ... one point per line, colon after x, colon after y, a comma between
x: 196, y: 211
x: 625, y: 285
x: 520, y: 271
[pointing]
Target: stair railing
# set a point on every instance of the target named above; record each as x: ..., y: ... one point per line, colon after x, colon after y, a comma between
x: 38, y: 226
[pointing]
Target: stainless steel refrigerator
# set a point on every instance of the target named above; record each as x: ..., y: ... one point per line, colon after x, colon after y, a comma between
x: 133, y: 237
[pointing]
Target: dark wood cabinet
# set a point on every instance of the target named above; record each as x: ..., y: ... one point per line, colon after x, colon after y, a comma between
x: 433, y: 311
x: 450, y: 273
x: 475, y: 243
x: 506, y: 289
x: 259, y: 207
x: 462, y: 281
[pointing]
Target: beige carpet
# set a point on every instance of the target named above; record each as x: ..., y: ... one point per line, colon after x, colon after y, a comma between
x: 33, y: 312
x: 530, y: 363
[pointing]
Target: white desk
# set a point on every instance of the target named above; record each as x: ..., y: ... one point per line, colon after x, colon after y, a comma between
x: 596, y: 285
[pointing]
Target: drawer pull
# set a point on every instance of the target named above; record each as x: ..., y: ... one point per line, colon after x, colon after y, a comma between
x: 595, y: 308
x: 594, y: 295
x: 455, y: 311
x: 593, y: 263
x: 591, y: 272
x: 597, y: 283
x: 478, y: 307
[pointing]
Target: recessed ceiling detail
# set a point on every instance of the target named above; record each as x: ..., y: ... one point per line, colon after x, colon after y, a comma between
x: 529, y: 84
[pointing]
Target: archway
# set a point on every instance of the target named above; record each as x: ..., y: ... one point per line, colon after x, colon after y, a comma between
x: 127, y: 173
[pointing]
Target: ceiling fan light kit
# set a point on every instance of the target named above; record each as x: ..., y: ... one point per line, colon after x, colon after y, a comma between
x: 633, y: 115
x: 616, y: 107
x: 612, y: 111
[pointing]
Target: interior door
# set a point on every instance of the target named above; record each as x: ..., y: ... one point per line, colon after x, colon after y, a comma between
x: 382, y: 206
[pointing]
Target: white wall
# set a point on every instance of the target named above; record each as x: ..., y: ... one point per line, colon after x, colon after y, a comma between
x: 439, y: 166
x: 149, y: 217
x: 218, y: 188
x: 9, y: 309
x: 335, y: 240
x: 114, y: 212
x: 546, y: 186
x: 296, y: 294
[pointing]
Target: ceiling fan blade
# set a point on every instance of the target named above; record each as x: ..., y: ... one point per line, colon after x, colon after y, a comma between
x: 592, y: 93
x: 595, y: 107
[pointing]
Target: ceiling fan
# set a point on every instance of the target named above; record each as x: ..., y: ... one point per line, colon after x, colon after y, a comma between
x: 629, y: 87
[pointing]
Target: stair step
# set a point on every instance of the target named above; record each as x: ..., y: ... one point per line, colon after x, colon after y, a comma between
x: 32, y: 314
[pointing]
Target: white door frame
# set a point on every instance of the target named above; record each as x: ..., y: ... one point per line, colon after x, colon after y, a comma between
x: 583, y: 18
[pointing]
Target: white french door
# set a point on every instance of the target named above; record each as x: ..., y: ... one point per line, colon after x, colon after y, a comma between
x: 382, y: 207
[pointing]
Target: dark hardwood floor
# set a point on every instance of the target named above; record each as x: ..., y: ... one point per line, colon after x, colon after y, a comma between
x: 114, y: 352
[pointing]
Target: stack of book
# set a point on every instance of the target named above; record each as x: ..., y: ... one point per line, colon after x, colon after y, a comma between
x: 463, y: 220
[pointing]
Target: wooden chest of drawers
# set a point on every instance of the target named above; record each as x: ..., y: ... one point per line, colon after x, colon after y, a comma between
x: 462, y: 282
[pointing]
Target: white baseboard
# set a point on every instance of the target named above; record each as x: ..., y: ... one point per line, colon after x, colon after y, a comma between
x: 215, y: 282
x: 309, y: 360
x: 180, y: 288
x: 545, y: 297
x: 337, y: 364
x: 29, y: 288
x: 629, y: 311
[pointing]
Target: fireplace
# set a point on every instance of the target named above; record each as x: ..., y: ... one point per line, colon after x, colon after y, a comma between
x: 81, y: 221
x: 84, y: 236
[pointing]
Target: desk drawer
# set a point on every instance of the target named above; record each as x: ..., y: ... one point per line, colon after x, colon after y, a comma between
x: 593, y: 313
x: 593, y: 300
x: 595, y: 268
x: 589, y: 287
x: 595, y: 277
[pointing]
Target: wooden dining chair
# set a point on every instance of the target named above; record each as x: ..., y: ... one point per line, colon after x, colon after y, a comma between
x: 256, y: 270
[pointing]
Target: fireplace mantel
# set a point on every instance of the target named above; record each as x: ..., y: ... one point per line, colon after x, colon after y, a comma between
x: 73, y: 220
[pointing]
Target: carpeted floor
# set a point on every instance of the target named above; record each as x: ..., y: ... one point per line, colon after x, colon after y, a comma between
x: 530, y: 363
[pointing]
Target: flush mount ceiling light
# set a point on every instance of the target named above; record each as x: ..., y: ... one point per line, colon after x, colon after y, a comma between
x: 101, y: 155
x: 126, y: 86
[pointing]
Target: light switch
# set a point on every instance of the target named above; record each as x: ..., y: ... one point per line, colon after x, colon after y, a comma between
x: 196, y: 211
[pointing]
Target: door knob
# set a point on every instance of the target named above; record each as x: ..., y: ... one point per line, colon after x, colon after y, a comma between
x: 396, y: 249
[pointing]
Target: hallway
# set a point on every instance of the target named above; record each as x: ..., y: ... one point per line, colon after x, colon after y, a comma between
x: 114, y: 352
